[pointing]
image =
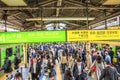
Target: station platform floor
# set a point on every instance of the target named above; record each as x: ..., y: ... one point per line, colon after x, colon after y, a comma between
x: 25, y: 73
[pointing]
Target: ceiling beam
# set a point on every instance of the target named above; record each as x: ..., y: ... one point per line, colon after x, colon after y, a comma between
x: 36, y: 8
x: 14, y: 14
x: 48, y: 3
x: 102, y: 19
x: 72, y: 24
x: 75, y: 3
x: 59, y: 3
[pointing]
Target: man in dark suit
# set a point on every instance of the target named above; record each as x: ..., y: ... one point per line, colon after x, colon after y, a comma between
x: 109, y: 73
x: 78, y: 70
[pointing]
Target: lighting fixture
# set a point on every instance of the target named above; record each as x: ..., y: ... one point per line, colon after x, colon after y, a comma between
x: 60, y: 18
x: 14, y: 2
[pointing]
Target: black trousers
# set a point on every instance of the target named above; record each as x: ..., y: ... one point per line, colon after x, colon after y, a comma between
x: 63, y: 67
x: 34, y: 76
x: 79, y: 77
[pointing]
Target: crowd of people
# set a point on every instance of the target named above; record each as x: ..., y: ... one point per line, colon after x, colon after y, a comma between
x: 76, y: 63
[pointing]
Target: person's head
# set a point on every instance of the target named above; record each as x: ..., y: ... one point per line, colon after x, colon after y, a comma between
x: 99, y: 59
x: 6, y: 58
x: 97, y: 53
x: 18, y: 76
x: 69, y: 55
x: 14, y: 54
x: 63, y: 54
x: 110, y: 48
x: 118, y: 52
x: 78, y: 53
x: 68, y: 73
x: 51, y: 55
x: 34, y: 56
x: 107, y: 63
x: 78, y: 61
x: 38, y: 55
x: 106, y: 53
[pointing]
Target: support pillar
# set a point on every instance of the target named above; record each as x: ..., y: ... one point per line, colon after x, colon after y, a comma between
x: 88, y: 46
x: 25, y: 53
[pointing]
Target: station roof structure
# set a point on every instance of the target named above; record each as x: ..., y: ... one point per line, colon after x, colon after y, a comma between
x: 72, y: 14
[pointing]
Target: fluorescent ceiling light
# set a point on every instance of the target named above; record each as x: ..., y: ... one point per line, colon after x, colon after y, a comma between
x: 111, y: 2
x: 60, y: 18
x: 14, y: 2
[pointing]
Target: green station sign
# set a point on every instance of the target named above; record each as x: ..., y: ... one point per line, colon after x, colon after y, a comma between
x: 34, y: 36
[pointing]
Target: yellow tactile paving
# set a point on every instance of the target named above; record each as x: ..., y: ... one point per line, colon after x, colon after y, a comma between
x: 58, y: 72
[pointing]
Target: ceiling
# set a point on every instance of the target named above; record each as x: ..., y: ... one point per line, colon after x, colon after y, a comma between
x: 19, y: 11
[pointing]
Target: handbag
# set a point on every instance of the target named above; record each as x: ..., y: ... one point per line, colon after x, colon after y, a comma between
x: 93, y: 68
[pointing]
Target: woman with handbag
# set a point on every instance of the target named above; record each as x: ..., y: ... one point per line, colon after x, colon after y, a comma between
x: 97, y: 66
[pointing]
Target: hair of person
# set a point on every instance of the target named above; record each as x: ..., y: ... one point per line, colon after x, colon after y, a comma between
x: 107, y: 62
x: 78, y: 60
x: 111, y: 48
x: 18, y: 75
x: 38, y: 55
x: 97, y: 52
x: 99, y: 59
x: 63, y: 54
x: 69, y: 54
x: 6, y: 57
x: 68, y: 73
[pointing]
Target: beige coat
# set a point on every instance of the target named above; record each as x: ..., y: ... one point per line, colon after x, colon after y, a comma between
x: 63, y: 59
x: 70, y: 61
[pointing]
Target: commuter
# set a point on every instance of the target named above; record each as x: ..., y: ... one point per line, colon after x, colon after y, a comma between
x: 111, y: 53
x: 98, y: 63
x: 68, y: 75
x: 78, y: 55
x: 63, y: 61
x: 60, y: 51
x: 34, y: 69
x: 117, y: 65
x: 118, y: 58
x: 18, y: 76
x: 78, y: 70
x: 56, y: 53
x: 7, y: 67
x: 109, y: 73
x: 51, y: 69
x: 39, y: 63
x: 107, y: 57
x: 95, y: 54
x: 70, y: 61
x: 16, y: 62
x: 103, y: 52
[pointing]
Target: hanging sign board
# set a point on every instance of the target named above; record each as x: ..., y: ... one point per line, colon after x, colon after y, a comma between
x: 82, y: 35
x: 35, y: 36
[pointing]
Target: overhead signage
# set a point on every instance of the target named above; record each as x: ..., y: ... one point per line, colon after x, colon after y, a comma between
x: 83, y: 35
x: 58, y: 36
x: 35, y: 36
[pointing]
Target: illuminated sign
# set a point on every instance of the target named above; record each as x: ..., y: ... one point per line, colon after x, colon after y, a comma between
x: 82, y: 35
x: 35, y: 36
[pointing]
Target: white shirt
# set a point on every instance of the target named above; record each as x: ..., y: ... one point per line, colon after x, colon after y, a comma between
x: 79, y: 69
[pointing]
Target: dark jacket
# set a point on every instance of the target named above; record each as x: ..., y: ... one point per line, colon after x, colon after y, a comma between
x: 109, y: 73
x: 75, y: 70
x: 16, y: 61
